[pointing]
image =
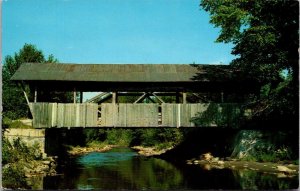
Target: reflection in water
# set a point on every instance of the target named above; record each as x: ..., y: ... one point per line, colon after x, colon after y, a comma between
x: 252, y: 180
x: 121, y: 168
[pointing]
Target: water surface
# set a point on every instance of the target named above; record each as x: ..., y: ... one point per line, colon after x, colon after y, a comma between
x: 122, y: 168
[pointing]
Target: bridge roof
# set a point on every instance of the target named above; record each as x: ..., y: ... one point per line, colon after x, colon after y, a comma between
x: 122, y: 77
x: 106, y: 72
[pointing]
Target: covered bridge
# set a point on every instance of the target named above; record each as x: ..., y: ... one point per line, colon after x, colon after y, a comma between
x: 193, y: 87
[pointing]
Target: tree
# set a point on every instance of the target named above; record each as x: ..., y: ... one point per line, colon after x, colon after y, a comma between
x: 14, y: 103
x: 265, y: 35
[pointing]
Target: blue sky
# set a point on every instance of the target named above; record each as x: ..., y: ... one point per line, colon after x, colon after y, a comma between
x: 114, y: 31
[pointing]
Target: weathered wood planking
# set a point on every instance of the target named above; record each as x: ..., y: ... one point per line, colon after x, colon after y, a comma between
x: 179, y: 115
x: 108, y: 113
x: 91, y: 114
x: 122, y: 115
x: 129, y: 115
x: 64, y: 115
x: 42, y: 114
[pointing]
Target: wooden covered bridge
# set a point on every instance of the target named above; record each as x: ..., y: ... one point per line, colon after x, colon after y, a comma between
x: 133, y: 95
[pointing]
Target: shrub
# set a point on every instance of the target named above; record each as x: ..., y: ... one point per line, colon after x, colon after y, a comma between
x: 14, y: 176
x: 121, y: 137
x: 14, y: 155
x: 18, y: 150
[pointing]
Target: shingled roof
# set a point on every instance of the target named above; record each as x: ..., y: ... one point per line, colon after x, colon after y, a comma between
x: 106, y: 72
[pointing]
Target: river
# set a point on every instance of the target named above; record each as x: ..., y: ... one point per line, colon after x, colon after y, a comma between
x: 123, y: 168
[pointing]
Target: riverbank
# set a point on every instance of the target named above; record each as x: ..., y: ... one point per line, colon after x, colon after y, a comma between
x: 150, y: 151
x: 208, y: 162
x: 145, y: 151
x: 74, y: 151
x: 282, y: 170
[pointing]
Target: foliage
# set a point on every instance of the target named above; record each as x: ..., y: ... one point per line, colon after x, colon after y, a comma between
x: 264, y: 146
x: 273, y: 155
x: 14, y: 103
x: 265, y: 35
x: 94, y: 135
x: 17, y: 150
x: 14, y: 176
x: 96, y: 144
x: 160, y: 138
x: 15, y: 155
x: 157, y: 137
x: 121, y: 137
x: 219, y: 114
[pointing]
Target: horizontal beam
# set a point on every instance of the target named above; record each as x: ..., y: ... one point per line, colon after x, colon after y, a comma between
x: 237, y: 87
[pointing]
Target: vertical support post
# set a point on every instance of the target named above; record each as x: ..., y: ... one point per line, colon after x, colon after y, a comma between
x: 26, y: 97
x: 178, y: 116
x: 114, y: 97
x: 24, y: 92
x: 81, y: 97
x: 74, y: 96
x: 184, y: 97
x: 35, y: 94
x: 114, y: 101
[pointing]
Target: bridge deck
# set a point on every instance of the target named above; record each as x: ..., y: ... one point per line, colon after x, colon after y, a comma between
x: 47, y: 115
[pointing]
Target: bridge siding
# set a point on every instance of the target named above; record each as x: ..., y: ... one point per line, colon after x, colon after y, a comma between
x: 47, y: 115
x: 129, y: 115
x: 64, y: 115
x: 179, y: 115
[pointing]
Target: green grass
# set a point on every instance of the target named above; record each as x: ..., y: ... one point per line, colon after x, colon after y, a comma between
x: 14, y: 124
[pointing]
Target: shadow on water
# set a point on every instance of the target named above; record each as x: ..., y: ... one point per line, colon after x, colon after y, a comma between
x: 121, y: 168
